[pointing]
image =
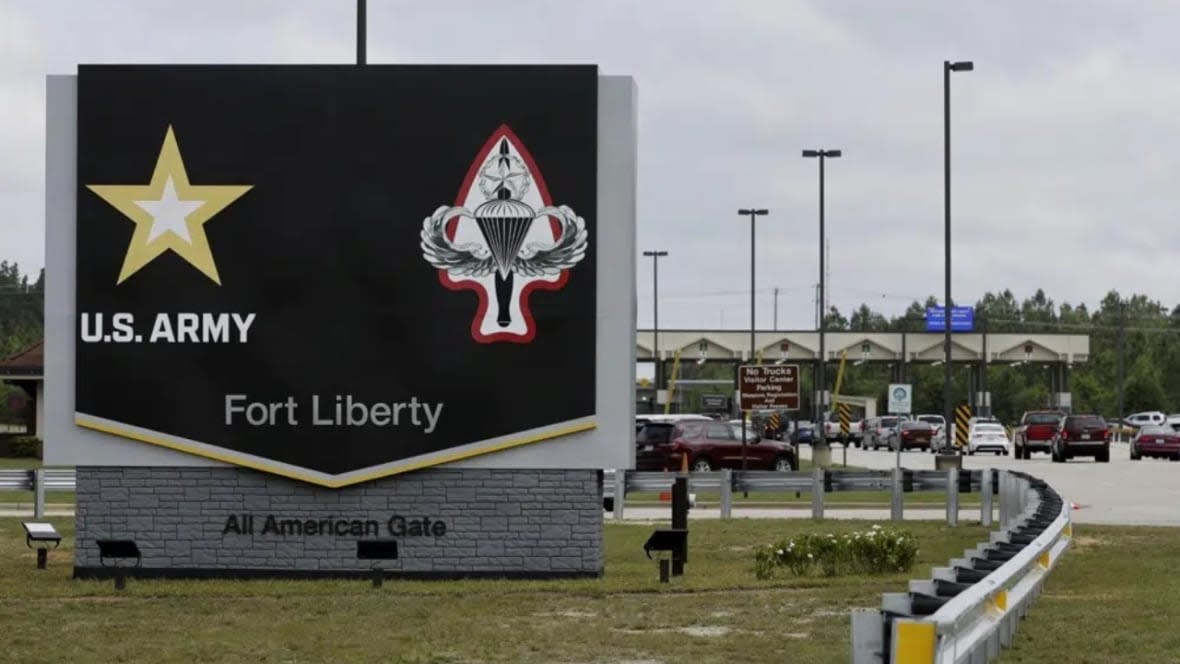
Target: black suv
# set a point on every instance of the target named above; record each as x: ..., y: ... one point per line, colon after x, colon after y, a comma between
x: 1081, y: 435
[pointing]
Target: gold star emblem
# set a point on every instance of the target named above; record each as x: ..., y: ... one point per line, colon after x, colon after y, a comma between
x: 169, y: 213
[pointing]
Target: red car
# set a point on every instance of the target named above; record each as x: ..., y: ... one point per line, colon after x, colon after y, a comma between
x: 1081, y: 435
x: 1156, y: 441
x: 912, y: 435
x: 708, y: 446
x: 1036, y: 432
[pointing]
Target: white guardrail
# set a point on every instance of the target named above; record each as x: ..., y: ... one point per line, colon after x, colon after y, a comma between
x: 970, y: 610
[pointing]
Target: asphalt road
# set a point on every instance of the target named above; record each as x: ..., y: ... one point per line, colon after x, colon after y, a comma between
x: 1145, y: 492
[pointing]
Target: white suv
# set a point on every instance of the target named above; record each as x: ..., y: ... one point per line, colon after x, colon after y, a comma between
x: 1149, y: 417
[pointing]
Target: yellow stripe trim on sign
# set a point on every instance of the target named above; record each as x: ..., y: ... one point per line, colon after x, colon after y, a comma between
x: 915, y: 643
x: 236, y: 460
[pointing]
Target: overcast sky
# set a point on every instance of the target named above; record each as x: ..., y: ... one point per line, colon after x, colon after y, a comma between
x: 1065, y: 137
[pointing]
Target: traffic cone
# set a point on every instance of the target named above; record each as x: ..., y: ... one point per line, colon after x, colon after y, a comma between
x: 684, y: 462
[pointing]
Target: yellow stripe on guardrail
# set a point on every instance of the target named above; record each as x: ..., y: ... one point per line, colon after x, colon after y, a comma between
x: 1000, y: 601
x: 915, y: 642
x: 1043, y: 560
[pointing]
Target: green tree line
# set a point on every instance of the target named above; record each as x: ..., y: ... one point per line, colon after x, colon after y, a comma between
x: 1151, y: 356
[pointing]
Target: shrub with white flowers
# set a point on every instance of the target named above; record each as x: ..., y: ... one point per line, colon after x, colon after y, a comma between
x: 877, y: 550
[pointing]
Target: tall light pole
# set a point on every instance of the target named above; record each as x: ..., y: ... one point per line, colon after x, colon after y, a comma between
x: 753, y: 213
x: 361, y: 30
x: 820, y: 379
x: 947, y: 68
x: 655, y: 305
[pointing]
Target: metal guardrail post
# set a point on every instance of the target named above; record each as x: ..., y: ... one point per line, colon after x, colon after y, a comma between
x: 620, y: 492
x: 952, y: 497
x: 726, y: 493
x: 1005, y: 499
x: 817, y: 494
x: 896, y: 507
x: 985, y: 491
x: 39, y: 493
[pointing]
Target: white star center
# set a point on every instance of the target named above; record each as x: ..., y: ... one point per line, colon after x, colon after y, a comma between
x: 168, y: 213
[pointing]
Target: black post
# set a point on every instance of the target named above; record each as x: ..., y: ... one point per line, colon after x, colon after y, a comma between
x: 986, y: 406
x: 823, y: 310
x: 655, y: 297
x: 821, y: 367
x: 1122, y: 351
x: 680, y: 521
x: 745, y: 416
x: 948, y: 411
x: 753, y: 212
x: 947, y: 68
x: 360, y: 32
x: 42, y: 558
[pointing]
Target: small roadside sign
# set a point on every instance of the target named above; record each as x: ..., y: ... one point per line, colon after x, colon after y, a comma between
x: 714, y: 402
x: 768, y: 387
x: 900, y: 398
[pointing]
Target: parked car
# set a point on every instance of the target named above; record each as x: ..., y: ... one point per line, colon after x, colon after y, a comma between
x: 877, y: 429
x: 709, y: 446
x: 911, y: 434
x: 803, y: 433
x: 1081, y: 435
x: 1156, y: 441
x: 1036, y: 431
x: 987, y: 436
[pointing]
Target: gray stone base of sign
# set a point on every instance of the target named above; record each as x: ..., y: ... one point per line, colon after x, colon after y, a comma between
x: 499, y: 523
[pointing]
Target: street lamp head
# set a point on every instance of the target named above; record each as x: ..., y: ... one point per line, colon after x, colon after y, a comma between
x: 821, y: 153
x: 832, y: 153
x: 655, y: 253
x: 811, y: 153
x: 965, y: 65
x: 748, y: 211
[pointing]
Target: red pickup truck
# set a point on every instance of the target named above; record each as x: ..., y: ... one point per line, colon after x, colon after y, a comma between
x: 1036, y: 432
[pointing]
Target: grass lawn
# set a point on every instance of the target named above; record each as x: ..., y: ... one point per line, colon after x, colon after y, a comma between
x: 717, y: 612
x: 19, y: 463
x: 1111, y: 600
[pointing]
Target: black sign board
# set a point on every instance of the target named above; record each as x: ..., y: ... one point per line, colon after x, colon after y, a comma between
x: 336, y: 269
x: 769, y: 387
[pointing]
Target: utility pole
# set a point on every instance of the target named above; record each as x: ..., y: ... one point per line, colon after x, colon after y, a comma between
x: 1122, y: 352
x: 776, y: 308
x: 360, y: 31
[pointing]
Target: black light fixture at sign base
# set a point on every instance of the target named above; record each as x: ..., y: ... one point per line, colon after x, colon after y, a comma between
x: 43, y: 534
x: 118, y: 550
x: 376, y: 550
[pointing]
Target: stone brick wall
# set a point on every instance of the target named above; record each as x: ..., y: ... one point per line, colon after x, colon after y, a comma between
x: 497, y: 522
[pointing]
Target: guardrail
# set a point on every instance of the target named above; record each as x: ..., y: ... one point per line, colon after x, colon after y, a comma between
x: 898, y: 481
x: 38, y: 481
x: 969, y: 611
